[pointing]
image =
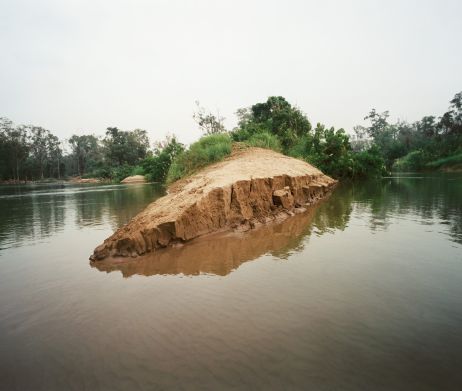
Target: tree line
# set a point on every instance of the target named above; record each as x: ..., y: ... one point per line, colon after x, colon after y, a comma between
x: 426, y: 144
x: 373, y: 150
x: 29, y: 152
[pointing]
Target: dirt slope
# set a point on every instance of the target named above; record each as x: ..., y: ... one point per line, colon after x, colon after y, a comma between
x: 251, y: 187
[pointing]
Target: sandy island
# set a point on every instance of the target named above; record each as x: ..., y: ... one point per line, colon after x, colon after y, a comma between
x: 251, y: 187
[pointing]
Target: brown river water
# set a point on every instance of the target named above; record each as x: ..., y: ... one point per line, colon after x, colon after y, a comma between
x: 361, y: 292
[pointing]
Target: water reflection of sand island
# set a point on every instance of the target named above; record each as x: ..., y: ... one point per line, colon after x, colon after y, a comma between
x: 219, y: 253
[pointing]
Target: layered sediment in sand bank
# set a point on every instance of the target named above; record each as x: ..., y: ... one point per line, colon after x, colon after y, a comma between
x: 252, y: 187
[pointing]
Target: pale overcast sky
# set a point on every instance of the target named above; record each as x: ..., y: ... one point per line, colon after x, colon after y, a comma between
x: 81, y: 66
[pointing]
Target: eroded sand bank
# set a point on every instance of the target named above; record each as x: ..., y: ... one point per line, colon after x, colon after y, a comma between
x: 252, y: 187
x: 218, y: 253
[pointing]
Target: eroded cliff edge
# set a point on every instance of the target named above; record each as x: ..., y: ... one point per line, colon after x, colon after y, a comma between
x: 251, y: 187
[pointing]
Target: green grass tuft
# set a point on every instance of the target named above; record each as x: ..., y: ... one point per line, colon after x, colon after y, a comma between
x: 207, y: 150
x: 265, y: 140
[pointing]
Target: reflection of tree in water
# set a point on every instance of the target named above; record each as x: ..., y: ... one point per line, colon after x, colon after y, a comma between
x: 335, y: 212
x: 330, y: 214
x: 49, y: 214
x: 28, y: 213
x: 428, y: 199
x: 376, y: 203
x: 32, y: 213
x: 113, y: 204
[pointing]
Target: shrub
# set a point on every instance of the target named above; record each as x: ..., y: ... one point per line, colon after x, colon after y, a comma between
x: 121, y: 172
x: 207, y: 150
x: 102, y: 172
x: 302, y: 148
x: 138, y: 170
x: 368, y: 163
x: 246, y: 132
x: 446, y: 161
x: 156, y: 167
x: 414, y: 160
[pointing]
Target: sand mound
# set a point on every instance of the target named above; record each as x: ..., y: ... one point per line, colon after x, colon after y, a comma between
x: 134, y: 179
x: 253, y: 186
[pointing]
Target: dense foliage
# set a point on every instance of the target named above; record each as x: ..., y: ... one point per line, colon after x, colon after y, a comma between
x: 426, y: 144
x: 375, y: 149
x: 276, y: 124
x: 275, y: 116
x: 87, y: 152
x: 157, y: 166
x: 30, y: 152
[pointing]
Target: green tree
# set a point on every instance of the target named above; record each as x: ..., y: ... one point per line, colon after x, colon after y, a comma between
x: 276, y: 116
x: 413, y: 146
x: 156, y: 166
x: 426, y: 127
x: 125, y: 147
x: 86, y: 152
x: 386, y: 136
x: 379, y: 123
x: 55, y: 154
x: 329, y: 150
x: 14, y: 148
x: 451, y: 121
x: 39, y: 149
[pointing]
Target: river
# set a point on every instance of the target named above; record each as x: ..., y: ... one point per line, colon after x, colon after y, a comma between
x: 362, y: 292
